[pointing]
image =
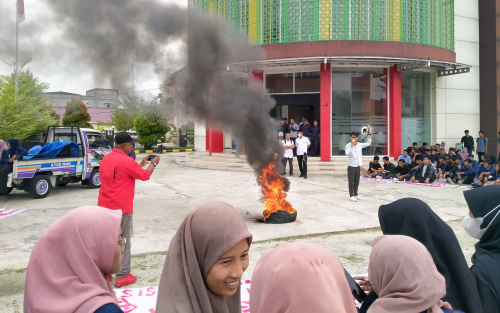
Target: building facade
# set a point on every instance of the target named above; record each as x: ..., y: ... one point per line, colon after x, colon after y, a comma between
x: 408, y: 68
x: 97, y: 98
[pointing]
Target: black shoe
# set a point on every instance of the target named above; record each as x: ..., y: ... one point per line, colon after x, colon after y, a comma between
x: 283, y: 174
x: 305, y: 177
x: 301, y: 175
x: 291, y: 175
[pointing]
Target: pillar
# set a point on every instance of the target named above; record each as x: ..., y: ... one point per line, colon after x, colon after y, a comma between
x: 394, y: 112
x: 325, y: 124
x: 215, y: 140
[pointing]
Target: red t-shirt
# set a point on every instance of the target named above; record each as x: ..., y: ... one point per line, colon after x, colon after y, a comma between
x: 118, y: 173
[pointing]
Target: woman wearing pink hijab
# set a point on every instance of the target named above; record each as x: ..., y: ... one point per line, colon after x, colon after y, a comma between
x: 205, y: 262
x: 300, y: 277
x: 71, y: 262
x: 403, y: 274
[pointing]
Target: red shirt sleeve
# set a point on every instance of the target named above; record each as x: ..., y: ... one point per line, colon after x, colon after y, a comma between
x: 133, y: 169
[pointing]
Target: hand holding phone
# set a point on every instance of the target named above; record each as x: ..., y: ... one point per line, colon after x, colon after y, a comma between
x: 151, y: 156
x: 356, y: 290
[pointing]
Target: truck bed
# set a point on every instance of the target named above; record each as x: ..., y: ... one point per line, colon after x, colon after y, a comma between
x: 28, y: 168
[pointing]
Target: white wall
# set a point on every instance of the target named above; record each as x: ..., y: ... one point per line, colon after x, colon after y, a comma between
x: 456, y: 97
x: 200, y: 136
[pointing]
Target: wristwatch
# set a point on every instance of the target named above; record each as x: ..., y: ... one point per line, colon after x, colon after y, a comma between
x: 154, y: 164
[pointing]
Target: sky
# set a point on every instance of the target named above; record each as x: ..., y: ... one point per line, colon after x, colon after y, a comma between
x: 56, y: 59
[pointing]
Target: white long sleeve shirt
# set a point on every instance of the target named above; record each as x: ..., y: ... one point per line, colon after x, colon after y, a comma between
x: 355, y: 154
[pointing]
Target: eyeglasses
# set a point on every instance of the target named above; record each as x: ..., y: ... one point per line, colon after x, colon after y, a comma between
x: 122, y: 242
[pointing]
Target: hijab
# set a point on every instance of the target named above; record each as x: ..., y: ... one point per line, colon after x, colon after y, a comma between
x: 414, y: 218
x: 204, y: 236
x: 404, y: 276
x: 14, y: 144
x: 3, y: 146
x: 487, y: 256
x: 464, y: 154
x: 300, y: 277
x: 71, y: 261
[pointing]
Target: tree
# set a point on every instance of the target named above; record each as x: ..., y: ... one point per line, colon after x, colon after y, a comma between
x: 125, y: 111
x: 52, y: 113
x: 28, y: 116
x: 150, y: 126
x: 76, y: 114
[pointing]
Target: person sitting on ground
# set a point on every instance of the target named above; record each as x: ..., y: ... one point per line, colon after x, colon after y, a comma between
x: 442, y: 154
x: 494, y: 179
x: 14, y: 152
x: 389, y: 171
x: 414, y: 218
x: 416, y: 165
x: 403, y: 171
x: 311, y: 280
x: 452, y: 174
x: 483, y: 174
x: 452, y: 152
x: 466, y: 173
x: 374, y: 168
x: 425, y: 173
x: 473, y: 162
x: 437, y: 147
x: 482, y: 158
x: 405, y: 157
x: 424, y: 149
x: 434, y: 157
x: 415, y: 152
x: 447, y: 168
x: 403, y: 274
x: 483, y: 223
x: 205, y: 262
x: 70, y: 264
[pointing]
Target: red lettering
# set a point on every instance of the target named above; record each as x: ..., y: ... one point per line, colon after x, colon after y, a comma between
x: 140, y: 292
x: 126, y: 293
x: 151, y: 291
x: 152, y: 310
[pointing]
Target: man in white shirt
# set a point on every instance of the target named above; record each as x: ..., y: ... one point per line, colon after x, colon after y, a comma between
x: 302, y: 144
x: 354, y: 151
x: 288, y: 157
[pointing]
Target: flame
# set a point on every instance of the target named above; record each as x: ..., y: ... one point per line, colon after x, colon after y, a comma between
x: 272, y: 190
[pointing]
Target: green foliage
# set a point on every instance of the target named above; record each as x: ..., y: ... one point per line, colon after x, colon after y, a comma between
x: 29, y: 116
x: 189, y: 127
x: 125, y: 111
x: 150, y: 126
x: 52, y: 113
x: 76, y: 114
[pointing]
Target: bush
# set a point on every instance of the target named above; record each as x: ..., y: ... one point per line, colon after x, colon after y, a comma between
x: 150, y: 127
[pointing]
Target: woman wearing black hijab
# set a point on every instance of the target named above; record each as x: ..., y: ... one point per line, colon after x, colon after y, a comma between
x: 483, y: 223
x: 414, y: 218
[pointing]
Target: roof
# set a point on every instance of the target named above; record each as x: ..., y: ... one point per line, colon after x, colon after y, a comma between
x: 96, y: 115
x: 62, y: 93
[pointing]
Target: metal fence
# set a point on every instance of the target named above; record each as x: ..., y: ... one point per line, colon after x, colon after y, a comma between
x: 429, y: 22
x: 180, y: 140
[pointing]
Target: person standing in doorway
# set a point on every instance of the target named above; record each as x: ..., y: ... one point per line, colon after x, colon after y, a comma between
x: 354, y: 151
x: 302, y: 144
x: 284, y: 126
x: 288, y: 157
x: 293, y: 129
x: 482, y: 145
x: 118, y: 173
x: 468, y: 141
x: 315, y: 139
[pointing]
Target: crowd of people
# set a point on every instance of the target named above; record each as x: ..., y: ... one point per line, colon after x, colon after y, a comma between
x: 416, y: 266
x: 428, y: 164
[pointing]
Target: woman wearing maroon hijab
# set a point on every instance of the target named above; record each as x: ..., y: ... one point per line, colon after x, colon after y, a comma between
x: 71, y: 262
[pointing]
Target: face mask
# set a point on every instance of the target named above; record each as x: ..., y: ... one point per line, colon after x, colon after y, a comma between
x: 472, y: 226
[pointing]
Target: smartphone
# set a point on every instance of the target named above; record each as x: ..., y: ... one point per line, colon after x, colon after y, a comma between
x: 151, y: 156
x: 356, y: 290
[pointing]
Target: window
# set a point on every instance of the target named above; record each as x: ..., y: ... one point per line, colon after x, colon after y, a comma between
x: 96, y: 141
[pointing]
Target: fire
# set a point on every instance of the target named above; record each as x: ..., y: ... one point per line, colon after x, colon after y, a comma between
x: 273, y: 195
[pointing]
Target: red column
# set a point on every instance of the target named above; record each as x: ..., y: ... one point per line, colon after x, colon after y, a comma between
x: 394, y: 112
x: 215, y: 140
x: 325, y: 125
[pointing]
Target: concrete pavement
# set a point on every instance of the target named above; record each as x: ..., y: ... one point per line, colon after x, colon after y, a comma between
x: 325, y: 216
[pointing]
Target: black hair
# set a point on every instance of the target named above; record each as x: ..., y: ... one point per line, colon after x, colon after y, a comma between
x: 467, y: 160
x: 425, y: 144
x: 415, y: 144
x: 486, y: 161
x: 471, y: 156
x: 386, y: 158
x: 451, y: 149
x: 401, y: 160
x: 419, y: 158
x: 426, y: 157
x: 305, y: 119
x: 355, y: 134
x: 454, y: 158
x: 481, y: 132
x: 376, y: 158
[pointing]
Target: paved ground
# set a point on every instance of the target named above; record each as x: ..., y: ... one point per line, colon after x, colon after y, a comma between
x: 325, y: 216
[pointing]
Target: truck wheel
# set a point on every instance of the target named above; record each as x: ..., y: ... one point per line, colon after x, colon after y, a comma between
x: 95, y: 179
x: 40, y: 186
x: 9, y: 190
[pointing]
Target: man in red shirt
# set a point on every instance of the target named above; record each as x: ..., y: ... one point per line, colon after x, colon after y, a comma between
x: 118, y: 173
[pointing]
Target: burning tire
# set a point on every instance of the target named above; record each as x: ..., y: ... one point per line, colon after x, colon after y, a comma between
x: 281, y: 217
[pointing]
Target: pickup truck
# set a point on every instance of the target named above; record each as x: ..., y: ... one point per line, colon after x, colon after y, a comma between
x: 40, y: 173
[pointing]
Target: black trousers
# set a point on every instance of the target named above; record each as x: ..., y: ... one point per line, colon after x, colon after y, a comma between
x: 290, y: 164
x: 294, y: 149
x: 353, y: 179
x: 468, y: 179
x: 5, y: 170
x: 302, y: 159
x: 314, y: 146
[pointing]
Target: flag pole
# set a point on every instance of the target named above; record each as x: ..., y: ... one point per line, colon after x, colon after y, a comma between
x: 17, y: 51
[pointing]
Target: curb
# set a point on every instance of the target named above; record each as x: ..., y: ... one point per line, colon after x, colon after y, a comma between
x: 165, y: 151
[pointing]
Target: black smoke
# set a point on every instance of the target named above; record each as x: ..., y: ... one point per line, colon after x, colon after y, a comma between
x: 108, y: 32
